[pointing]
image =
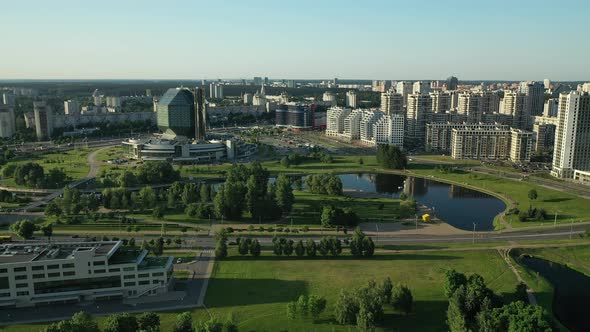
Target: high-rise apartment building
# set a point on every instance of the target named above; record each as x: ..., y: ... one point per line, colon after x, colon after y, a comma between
x: 489, y: 102
x: 550, y: 108
x: 351, y: 99
x: 247, y: 99
x: 97, y: 98
x: 368, y: 120
x: 543, y: 136
x: 421, y: 87
x: 535, y: 92
x: 547, y: 84
x: 404, y: 89
x: 452, y: 83
x: 389, y: 129
x: 418, y: 114
x: 7, y: 121
x: 441, y: 102
x: 491, y: 144
x: 392, y: 102
x: 380, y: 86
x: 352, y: 125
x: 71, y: 107
x: 335, y: 120
x: 216, y: 91
x: 521, y: 142
x: 514, y: 104
x: 329, y: 97
x: 469, y: 105
x: 572, y: 136
x: 43, y: 119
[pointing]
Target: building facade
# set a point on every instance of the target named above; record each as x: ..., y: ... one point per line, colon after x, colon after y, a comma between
x: 40, y: 274
x: 43, y: 119
x: 572, y: 135
x: 392, y: 102
x: 352, y: 99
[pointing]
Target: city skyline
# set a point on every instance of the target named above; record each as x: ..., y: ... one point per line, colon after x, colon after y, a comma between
x: 307, y: 40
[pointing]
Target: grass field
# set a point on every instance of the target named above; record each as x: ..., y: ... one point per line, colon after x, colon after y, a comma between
x: 257, y: 290
x: 577, y: 258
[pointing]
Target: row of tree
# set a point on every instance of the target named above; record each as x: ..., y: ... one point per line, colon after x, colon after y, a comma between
x: 145, y: 322
x: 324, y: 184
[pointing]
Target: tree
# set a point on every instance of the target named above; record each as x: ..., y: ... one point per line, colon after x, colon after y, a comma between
x: 365, y: 319
x: 158, y: 213
x: 292, y: 310
x: 311, y: 248
x: 299, y: 248
x: 285, y: 162
x: 361, y: 245
x: 149, y: 321
x: 346, y: 308
x: 401, y: 299
x: 326, y: 184
x: 288, y: 247
x: 147, y: 196
x: 255, y: 248
x: 80, y: 322
x: 453, y: 280
x: 123, y: 322
x: 47, y: 230
x: 243, y: 247
x: 158, y: 248
x: 521, y: 292
x: 23, y: 228
x: 183, y: 323
x: 391, y: 157
x: 205, y: 193
x: 284, y: 193
x: 385, y: 289
x: 518, y: 316
x: 315, y: 305
x: 52, y: 209
x: 532, y: 194
x: 220, y: 249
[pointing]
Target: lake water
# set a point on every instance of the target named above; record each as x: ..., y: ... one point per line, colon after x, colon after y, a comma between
x: 571, y: 291
x: 456, y: 205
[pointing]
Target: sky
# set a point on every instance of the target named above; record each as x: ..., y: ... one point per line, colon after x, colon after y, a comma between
x: 295, y: 39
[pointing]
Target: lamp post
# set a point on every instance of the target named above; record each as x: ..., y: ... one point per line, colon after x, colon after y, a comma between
x: 555, y: 221
x: 416, y: 221
x: 474, y: 233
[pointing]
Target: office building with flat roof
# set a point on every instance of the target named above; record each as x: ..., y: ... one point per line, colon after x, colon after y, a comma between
x: 34, y: 273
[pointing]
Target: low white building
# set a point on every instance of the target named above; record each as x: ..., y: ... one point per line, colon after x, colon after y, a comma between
x: 63, y: 272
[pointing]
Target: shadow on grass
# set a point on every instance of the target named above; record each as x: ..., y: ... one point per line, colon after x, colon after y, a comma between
x: 557, y: 200
x: 224, y: 292
x: 411, y: 247
x: 378, y: 257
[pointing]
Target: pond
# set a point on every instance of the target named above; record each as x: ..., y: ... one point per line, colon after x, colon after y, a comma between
x: 456, y: 205
x: 571, y: 291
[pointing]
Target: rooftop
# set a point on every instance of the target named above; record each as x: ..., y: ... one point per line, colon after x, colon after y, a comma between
x: 34, y: 251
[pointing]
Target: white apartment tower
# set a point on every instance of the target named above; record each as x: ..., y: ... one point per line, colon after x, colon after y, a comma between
x: 419, y: 113
x: 421, y: 87
x: 330, y: 98
x: 351, y: 99
x: 392, y: 102
x: 335, y: 120
x: 404, y: 89
x: 469, y: 105
x: 71, y: 107
x: 389, y: 129
x: 572, y: 136
x: 441, y: 102
x: 352, y: 125
x: 514, y: 104
x: 368, y: 119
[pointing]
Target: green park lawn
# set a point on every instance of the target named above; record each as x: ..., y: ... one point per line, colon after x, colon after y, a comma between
x: 256, y: 290
x: 575, y: 257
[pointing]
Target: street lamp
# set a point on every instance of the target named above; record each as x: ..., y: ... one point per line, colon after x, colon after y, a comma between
x: 474, y: 233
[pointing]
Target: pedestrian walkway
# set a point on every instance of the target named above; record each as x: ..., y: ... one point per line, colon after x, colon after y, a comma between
x: 505, y: 254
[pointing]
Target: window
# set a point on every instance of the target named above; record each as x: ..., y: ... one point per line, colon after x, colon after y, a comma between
x: 4, y: 294
x: 66, y: 266
x: 143, y: 275
x: 25, y: 285
x: 129, y: 284
x: 132, y: 268
x: 69, y: 273
x: 38, y: 267
x: 54, y: 267
x: 25, y: 293
x: 129, y: 276
x: 20, y: 277
x: 157, y: 274
x: 54, y: 274
x: 20, y: 269
x: 156, y: 281
x: 100, y: 271
x: 97, y: 263
x: 115, y: 270
x: 3, y: 270
x: 144, y: 282
x: 57, y: 286
x: 39, y: 276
